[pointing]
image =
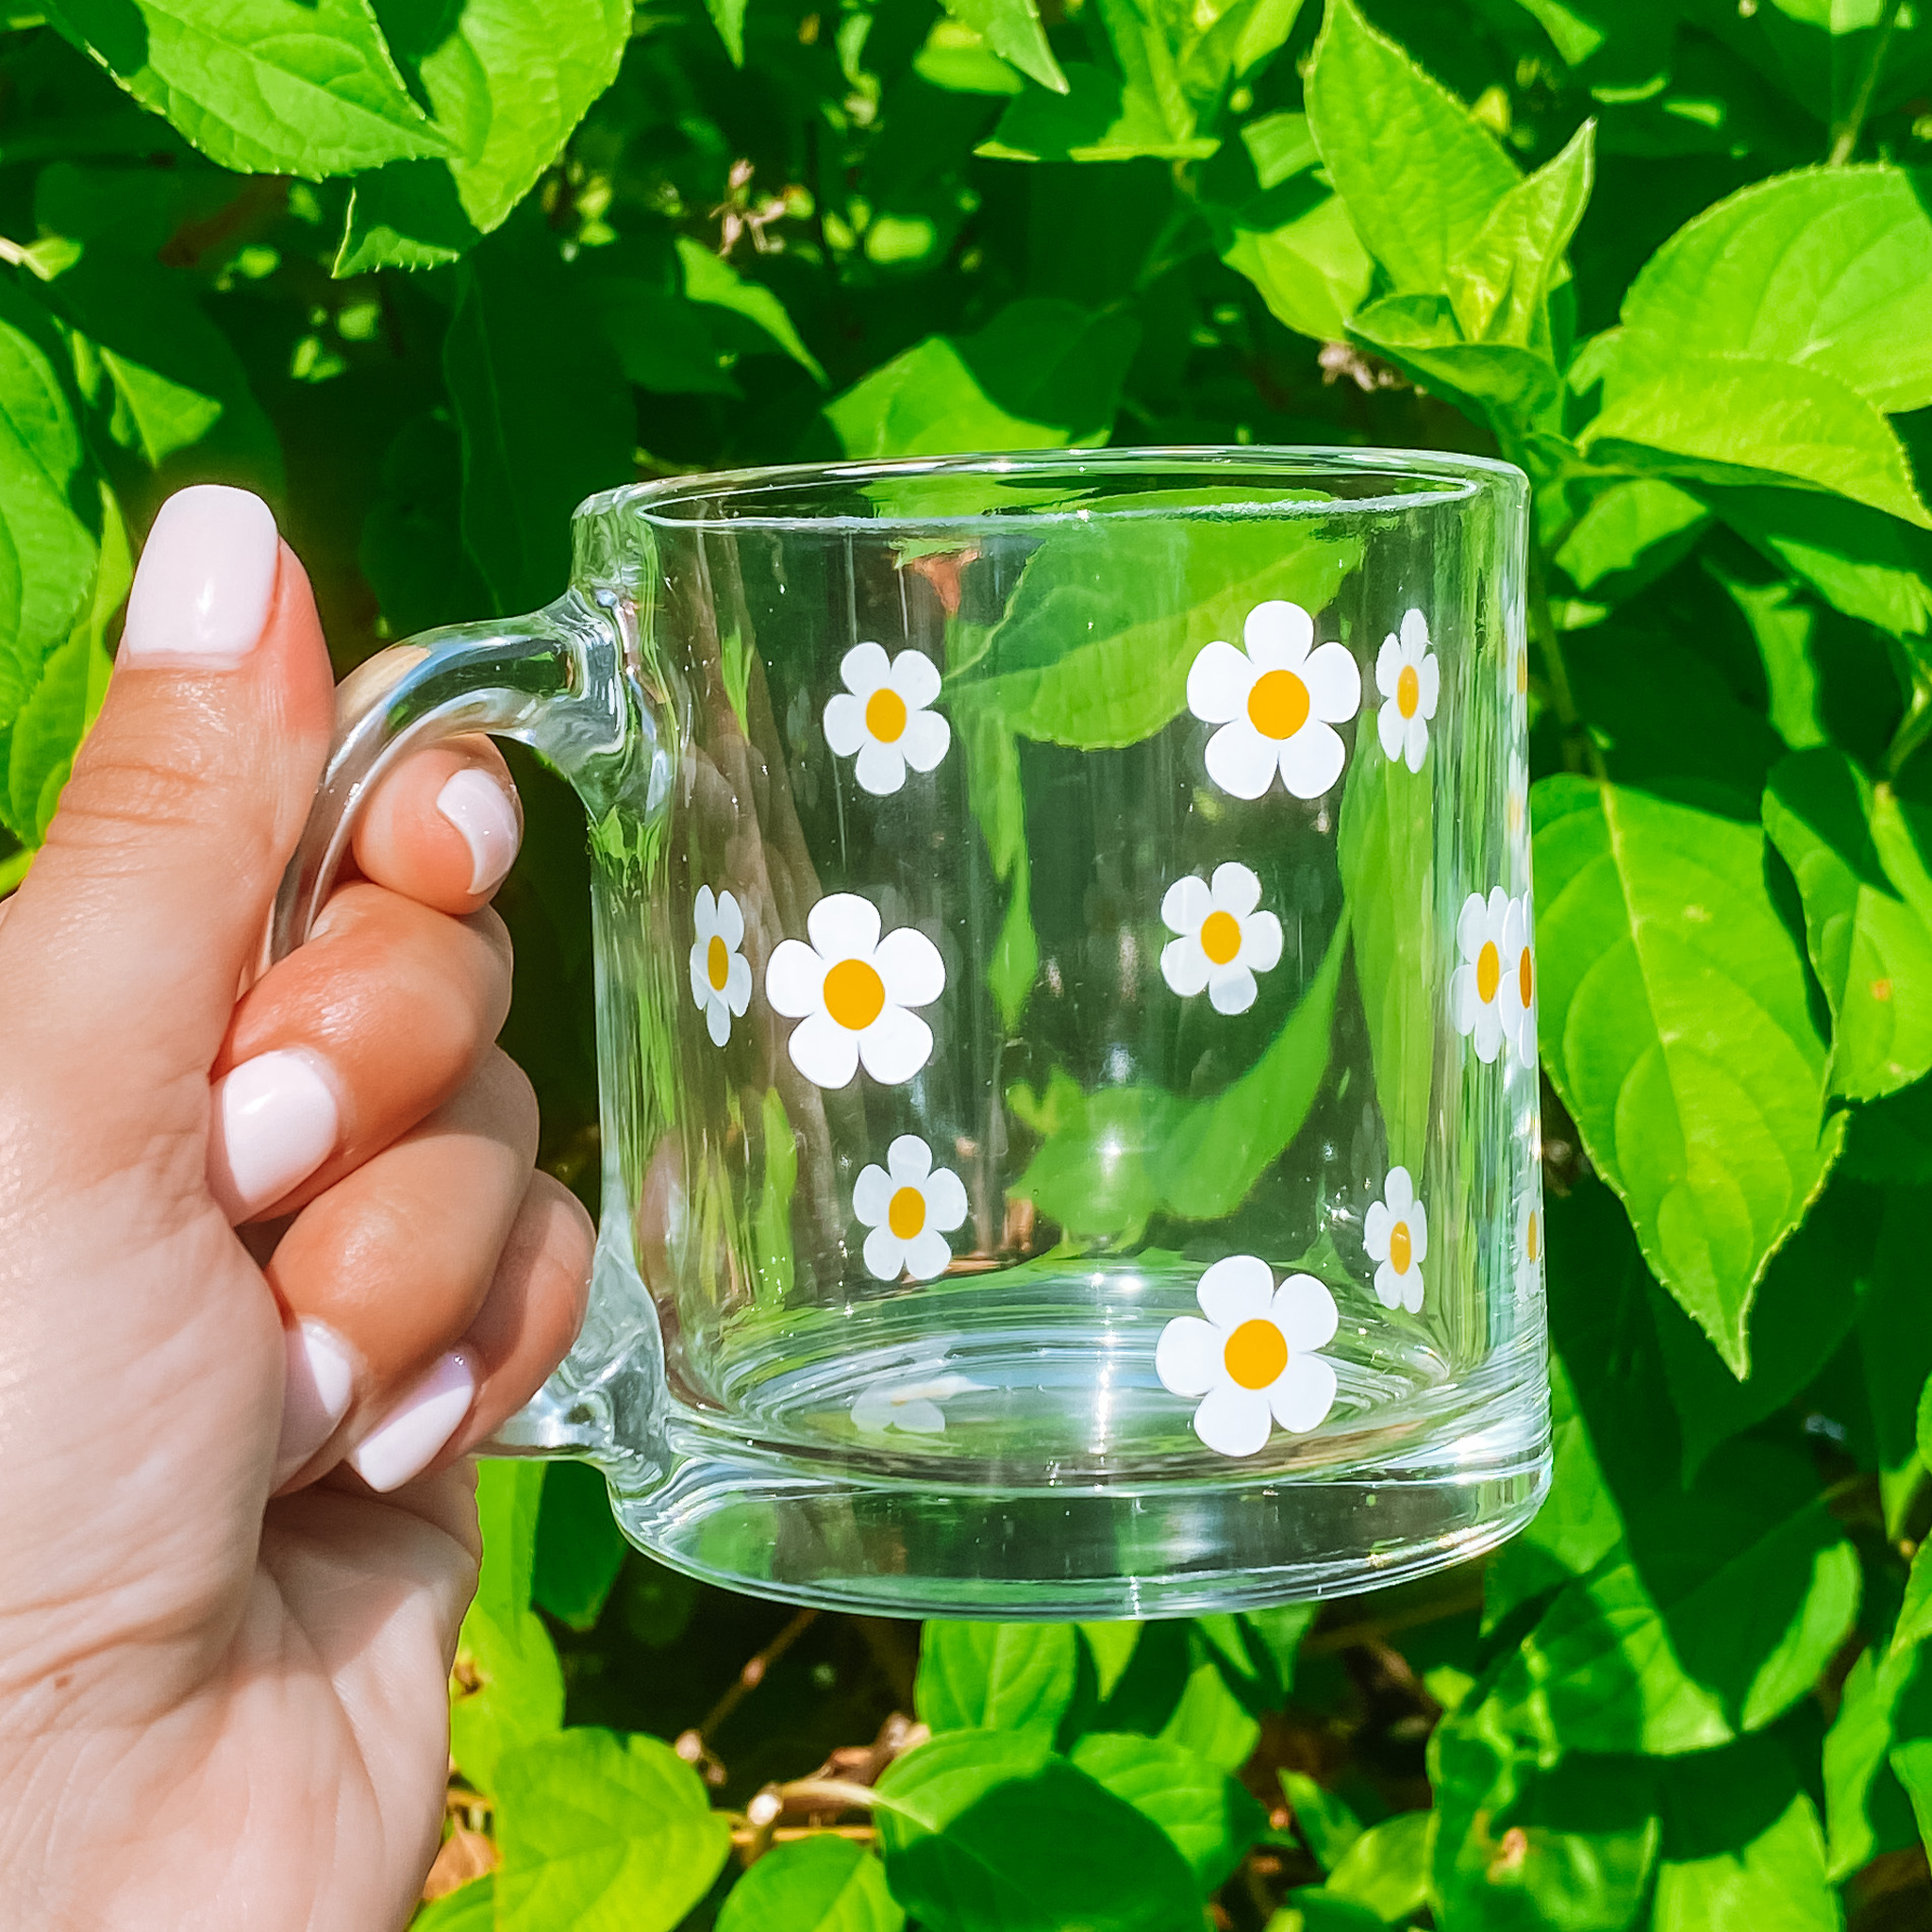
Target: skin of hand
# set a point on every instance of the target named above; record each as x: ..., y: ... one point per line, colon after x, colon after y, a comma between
x: 272, y: 1259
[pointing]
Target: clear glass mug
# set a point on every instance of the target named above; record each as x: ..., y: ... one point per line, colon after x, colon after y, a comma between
x: 1067, y: 1018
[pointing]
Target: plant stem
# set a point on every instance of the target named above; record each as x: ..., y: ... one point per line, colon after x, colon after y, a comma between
x: 1542, y: 627
x: 752, y: 1674
x: 1846, y: 142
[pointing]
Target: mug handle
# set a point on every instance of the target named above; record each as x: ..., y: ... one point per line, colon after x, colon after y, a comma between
x: 555, y: 680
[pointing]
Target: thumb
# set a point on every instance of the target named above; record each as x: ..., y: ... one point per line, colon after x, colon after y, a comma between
x: 141, y: 918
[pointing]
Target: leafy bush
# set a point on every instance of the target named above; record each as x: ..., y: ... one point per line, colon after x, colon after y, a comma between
x: 427, y: 274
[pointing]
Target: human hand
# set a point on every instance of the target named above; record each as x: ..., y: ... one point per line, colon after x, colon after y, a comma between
x: 239, y: 1533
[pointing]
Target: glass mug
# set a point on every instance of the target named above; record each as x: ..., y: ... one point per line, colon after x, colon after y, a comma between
x: 1066, y: 1019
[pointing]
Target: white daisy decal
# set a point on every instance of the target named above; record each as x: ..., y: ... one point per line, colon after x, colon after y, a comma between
x: 882, y: 715
x: 1409, y: 679
x: 1476, y: 987
x: 1224, y: 940
x: 1276, y: 704
x: 1396, y: 1234
x: 851, y: 992
x: 912, y: 1207
x: 907, y: 1398
x: 1516, y: 670
x: 1529, y: 1237
x: 1517, y: 995
x: 1254, y: 1357
x: 1516, y: 797
x: 719, y: 973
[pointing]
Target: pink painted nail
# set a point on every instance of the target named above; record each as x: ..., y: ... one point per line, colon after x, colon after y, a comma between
x: 206, y: 580
x: 276, y: 1122
x: 414, y: 1432
x: 475, y: 804
x: 315, y: 1395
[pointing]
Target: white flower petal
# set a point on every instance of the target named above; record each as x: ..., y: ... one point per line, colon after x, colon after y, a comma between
x: 1233, y: 1420
x: 1187, y: 1356
x: 1277, y: 635
x: 1418, y: 1232
x: 871, y: 1409
x: 880, y: 768
x: 717, y: 1021
x: 1388, y: 1286
x: 1525, y: 1042
x: 1237, y: 1289
x: 1311, y: 760
x: 918, y: 1417
x: 1185, y: 904
x: 1335, y: 684
x: 893, y: 1047
x: 1260, y: 943
x: 1464, y: 1002
x: 1304, y: 1311
x: 1218, y: 682
x: 1303, y: 1393
x: 1399, y: 1192
x: 1488, y: 1033
x: 1412, y: 1291
x: 945, y: 1200
x: 1231, y: 990
x: 700, y: 972
x: 794, y: 980
x: 738, y: 984
x: 1415, y: 635
x: 1495, y: 913
x: 843, y: 926
x: 1389, y: 729
x: 704, y: 914
x: 911, y: 966
x: 872, y: 1195
x: 1416, y: 743
x: 1184, y: 965
x: 844, y: 724
x: 928, y: 1255
x: 1430, y: 676
x: 884, y: 1254
x: 864, y: 668
x: 824, y: 1052
x: 1388, y: 666
x: 1241, y: 762
x: 925, y: 740
x: 1378, y: 1223
x: 908, y: 1160
x: 916, y: 678
x: 730, y: 921
x: 1469, y: 928
x: 1235, y: 888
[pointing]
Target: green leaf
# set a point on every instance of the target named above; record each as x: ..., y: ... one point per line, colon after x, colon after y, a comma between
x: 1387, y: 1868
x: 1313, y: 271
x: 1675, y: 1028
x: 603, y: 1834
x: 540, y: 432
x: 1894, y: 1322
x: 1121, y: 1154
x: 1513, y: 389
x: 713, y: 283
x: 1209, y: 1721
x: 1727, y: 1869
x: 1720, y: 418
x: 998, y: 1676
x: 1418, y: 173
x: 471, y: 1907
x: 1871, y: 951
x: 1324, y: 1819
x: 1915, y: 1612
x: 1866, y: 564
x: 772, y: 1225
x: 1500, y: 280
x: 1011, y: 28
x: 579, y: 1547
x: 986, y: 1829
x: 1386, y: 851
x: 999, y: 803
x: 272, y: 87
x: 1783, y: 622
x: 822, y: 1884
x: 1866, y: 1808
x: 1629, y: 535
x: 507, y: 80
x: 1828, y: 268
x: 727, y: 16
x: 1211, y: 1821
x: 1100, y: 117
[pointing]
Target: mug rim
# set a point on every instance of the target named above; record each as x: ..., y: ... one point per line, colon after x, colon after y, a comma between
x: 668, y: 503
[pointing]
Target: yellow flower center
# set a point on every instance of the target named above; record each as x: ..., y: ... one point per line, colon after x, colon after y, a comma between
x: 1255, y: 1354
x: 1401, y: 1249
x: 1221, y: 936
x: 906, y: 1216
x: 885, y: 715
x: 1525, y: 978
x: 1489, y: 972
x: 1409, y: 692
x: 855, y: 995
x: 1278, y: 704
x: 1522, y: 672
x: 717, y: 963
x: 1533, y: 1240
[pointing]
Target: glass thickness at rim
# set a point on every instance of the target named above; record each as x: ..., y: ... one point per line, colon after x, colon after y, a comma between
x: 1419, y: 479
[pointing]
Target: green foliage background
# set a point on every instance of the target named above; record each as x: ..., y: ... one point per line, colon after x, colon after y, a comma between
x: 425, y: 272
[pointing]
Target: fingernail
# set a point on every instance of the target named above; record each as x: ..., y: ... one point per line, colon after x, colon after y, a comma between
x: 315, y: 1395
x: 406, y: 1441
x: 475, y: 804
x: 206, y: 581
x: 276, y: 1122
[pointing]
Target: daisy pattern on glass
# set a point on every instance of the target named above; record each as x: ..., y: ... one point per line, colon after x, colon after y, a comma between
x: 1254, y: 1360
x: 1475, y: 988
x: 852, y: 992
x: 1409, y: 679
x: 1223, y: 939
x: 882, y: 715
x: 1517, y: 995
x: 909, y: 1398
x: 1529, y: 1237
x: 1396, y: 1234
x: 1276, y: 704
x: 910, y: 1207
x: 719, y: 972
